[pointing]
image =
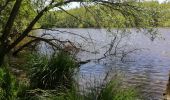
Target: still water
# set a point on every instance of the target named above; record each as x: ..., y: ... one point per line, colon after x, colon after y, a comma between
x: 146, y: 68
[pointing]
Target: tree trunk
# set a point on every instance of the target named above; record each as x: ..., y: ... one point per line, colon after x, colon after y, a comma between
x: 2, y: 56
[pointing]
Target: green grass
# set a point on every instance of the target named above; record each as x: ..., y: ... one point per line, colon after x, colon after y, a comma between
x: 51, y: 78
x: 111, y: 91
x: 9, y: 87
x: 114, y: 91
x: 53, y: 72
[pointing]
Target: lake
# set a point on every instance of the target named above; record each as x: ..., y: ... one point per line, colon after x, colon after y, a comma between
x: 146, y: 61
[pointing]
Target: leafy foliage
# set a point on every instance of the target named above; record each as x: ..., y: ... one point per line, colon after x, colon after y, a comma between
x: 8, y: 85
x: 152, y: 14
x: 51, y: 72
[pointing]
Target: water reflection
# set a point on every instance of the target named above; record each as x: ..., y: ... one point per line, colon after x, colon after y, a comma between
x: 147, y: 70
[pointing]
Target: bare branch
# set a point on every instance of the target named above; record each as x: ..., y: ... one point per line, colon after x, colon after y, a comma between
x: 111, y: 46
x: 85, y: 38
x: 25, y: 45
x: 38, y: 39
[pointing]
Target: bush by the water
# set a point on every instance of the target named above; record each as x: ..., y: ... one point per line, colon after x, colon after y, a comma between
x: 51, y: 72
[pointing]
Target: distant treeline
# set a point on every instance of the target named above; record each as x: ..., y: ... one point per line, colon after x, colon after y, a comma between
x: 153, y: 15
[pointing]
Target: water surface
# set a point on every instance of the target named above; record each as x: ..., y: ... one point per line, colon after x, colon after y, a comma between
x: 146, y: 69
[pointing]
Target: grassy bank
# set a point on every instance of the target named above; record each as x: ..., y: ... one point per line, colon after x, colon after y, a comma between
x: 51, y: 78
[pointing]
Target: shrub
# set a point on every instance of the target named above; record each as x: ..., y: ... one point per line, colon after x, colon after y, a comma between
x: 52, y: 72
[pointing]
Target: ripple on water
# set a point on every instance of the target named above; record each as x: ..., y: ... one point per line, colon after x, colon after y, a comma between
x: 149, y: 72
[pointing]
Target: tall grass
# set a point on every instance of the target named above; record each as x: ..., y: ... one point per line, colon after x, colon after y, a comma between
x: 114, y: 91
x: 54, y: 76
x: 111, y: 91
x: 51, y: 72
x: 8, y: 85
x: 51, y: 78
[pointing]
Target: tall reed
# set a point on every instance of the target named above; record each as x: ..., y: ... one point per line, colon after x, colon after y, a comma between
x: 51, y: 72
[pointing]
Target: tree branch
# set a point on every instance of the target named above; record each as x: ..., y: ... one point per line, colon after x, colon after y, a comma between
x: 30, y: 26
x: 25, y: 45
x: 10, y: 22
x: 72, y: 33
x: 37, y: 39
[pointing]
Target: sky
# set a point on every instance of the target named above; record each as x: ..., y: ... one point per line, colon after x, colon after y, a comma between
x: 162, y: 1
x: 74, y: 5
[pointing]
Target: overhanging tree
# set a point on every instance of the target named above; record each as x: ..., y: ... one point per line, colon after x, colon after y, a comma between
x: 6, y: 46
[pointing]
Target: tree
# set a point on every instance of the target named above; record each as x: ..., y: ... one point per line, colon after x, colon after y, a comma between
x: 40, y: 7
